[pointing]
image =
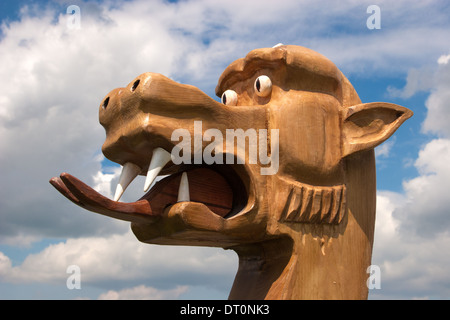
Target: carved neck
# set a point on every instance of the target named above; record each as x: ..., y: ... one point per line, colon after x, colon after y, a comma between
x: 312, y: 269
x: 262, y: 269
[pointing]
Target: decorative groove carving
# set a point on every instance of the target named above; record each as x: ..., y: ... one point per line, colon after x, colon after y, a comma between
x: 315, y: 204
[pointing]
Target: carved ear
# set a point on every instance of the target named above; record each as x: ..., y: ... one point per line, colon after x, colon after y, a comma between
x: 367, y: 125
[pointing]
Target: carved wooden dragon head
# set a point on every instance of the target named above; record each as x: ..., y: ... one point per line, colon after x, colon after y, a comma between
x: 282, y: 170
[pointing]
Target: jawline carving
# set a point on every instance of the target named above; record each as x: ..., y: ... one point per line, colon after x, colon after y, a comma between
x: 305, y: 232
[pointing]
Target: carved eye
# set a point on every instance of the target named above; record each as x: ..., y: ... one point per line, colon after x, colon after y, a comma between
x: 229, y: 98
x: 135, y: 85
x: 263, y: 86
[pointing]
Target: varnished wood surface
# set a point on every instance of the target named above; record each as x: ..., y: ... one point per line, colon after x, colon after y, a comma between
x: 304, y: 232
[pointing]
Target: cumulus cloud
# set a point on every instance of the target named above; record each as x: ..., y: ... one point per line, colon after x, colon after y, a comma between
x: 121, y: 259
x: 103, y: 181
x: 418, y: 80
x: 53, y: 79
x: 143, y: 293
x: 426, y: 211
x: 413, y: 227
x: 438, y: 116
x: 384, y: 149
x: 444, y: 59
x: 412, y: 266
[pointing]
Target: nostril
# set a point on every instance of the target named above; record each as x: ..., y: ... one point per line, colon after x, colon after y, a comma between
x: 135, y: 84
x: 105, y: 103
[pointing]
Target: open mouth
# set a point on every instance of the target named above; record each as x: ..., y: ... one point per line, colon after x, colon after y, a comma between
x: 222, y: 190
x: 218, y: 187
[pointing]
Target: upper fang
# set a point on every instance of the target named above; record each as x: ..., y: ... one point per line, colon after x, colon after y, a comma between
x: 159, y: 159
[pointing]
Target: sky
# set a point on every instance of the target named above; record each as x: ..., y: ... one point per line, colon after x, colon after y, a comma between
x: 55, y: 72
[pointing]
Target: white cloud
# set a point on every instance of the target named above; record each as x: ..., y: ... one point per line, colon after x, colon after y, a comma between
x: 53, y: 79
x: 143, y: 293
x: 418, y: 80
x: 5, y: 266
x: 119, y: 259
x: 384, y: 149
x: 411, y: 266
x: 434, y: 78
x: 444, y: 59
x: 413, y: 228
x: 426, y: 211
x: 438, y: 116
x: 103, y: 181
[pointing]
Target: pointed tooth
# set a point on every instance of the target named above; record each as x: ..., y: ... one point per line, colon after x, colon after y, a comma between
x: 159, y: 159
x: 183, y: 189
x: 129, y: 172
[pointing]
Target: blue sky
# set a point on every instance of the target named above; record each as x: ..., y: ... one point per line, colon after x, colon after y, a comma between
x: 53, y: 78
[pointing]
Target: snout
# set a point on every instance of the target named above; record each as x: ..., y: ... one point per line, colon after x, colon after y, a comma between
x: 153, y: 93
x: 143, y: 115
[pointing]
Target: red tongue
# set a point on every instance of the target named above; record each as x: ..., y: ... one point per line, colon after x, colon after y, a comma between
x: 205, y: 186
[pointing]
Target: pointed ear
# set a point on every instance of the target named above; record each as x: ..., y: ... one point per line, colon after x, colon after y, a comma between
x: 367, y: 125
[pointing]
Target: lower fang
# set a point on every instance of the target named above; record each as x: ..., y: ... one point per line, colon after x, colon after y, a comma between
x: 183, y: 190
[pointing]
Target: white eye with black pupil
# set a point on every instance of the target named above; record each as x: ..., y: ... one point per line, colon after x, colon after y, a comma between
x: 229, y: 98
x: 263, y: 86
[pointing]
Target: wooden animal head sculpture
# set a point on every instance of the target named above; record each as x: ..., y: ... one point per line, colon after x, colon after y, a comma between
x: 282, y: 171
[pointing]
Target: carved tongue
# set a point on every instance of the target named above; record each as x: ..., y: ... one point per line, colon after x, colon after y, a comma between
x: 205, y: 186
